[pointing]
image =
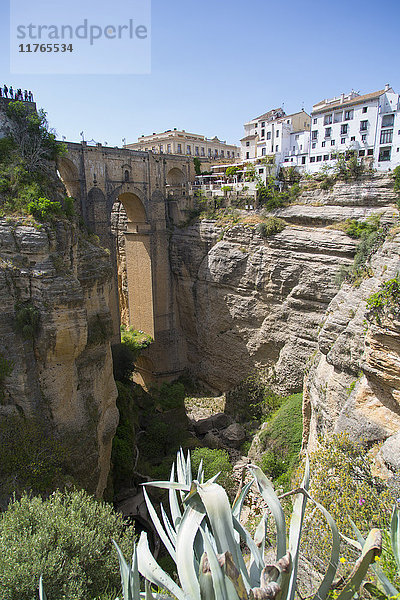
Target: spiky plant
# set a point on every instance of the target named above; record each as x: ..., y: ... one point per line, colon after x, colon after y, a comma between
x: 203, y: 536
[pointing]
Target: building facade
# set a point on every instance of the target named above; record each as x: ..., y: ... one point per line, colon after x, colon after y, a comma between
x: 367, y: 125
x: 275, y: 134
x: 174, y: 141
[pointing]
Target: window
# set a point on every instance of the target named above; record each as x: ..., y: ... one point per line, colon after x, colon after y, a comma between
x: 223, y: 153
x: 364, y: 137
x: 342, y: 140
x: 202, y: 151
x: 361, y: 153
x: 268, y: 135
x: 365, y: 108
x: 319, y: 158
x: 323, y: 144
x: 247, y: 154
x: 179, y: 148
x: 263, y: 124
x: 348, y: 115
x: 303, y: 160
x: 314, y: 134
x: 326, y: 156
x: 169, y: 148
x: 261, y: 171
x: 386, y: 136
x: 328, y: 119
x: 262, y: 132
x: 337, y: 117
x: 353, y: 138
x: 277, y: 133
x: 188, y: 150
x: 256, y: 125
x: 332, y: 142
x: 263, y: 151
x: 384, y: 154
x: 294, y: 148
x: 296, y: 137
x: 370, y: 152
x: 161, y: 149
x: 328, y: 132
x: 276, y: 148
x: 126, y: 175
x: 314, y: 121
x: 344, y: 129
x: 229, y: 154
x: 196, y: 150
x: 247, y: 144
x: 215, y: 152
x: 313, y: 145
x: 312, y: 159
x: 209, y: 152
x: 363, y: 125
x: 388, y: 121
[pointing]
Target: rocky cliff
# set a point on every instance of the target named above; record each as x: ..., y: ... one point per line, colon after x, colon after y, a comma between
x: 353, y: 383
x: 54, y: 331
x: 247, y: 303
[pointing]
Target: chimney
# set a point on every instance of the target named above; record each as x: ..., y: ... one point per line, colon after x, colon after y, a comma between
x: 341, y: 98
x: 387, y: 86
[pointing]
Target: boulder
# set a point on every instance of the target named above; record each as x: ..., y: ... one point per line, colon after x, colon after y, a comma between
x: 218, y: 421
x: 234, y: 435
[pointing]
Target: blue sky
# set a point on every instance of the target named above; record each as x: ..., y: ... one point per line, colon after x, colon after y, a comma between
x: 219, y: 63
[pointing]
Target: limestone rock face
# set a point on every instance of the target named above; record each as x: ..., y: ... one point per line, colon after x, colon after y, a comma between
x: 247, y: 303
x: 353, y: 383
x: 63, y: 375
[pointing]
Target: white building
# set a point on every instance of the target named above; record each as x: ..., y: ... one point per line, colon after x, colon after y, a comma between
x: 368, y: 125
x: 275, y: 134
x: 174, y: 141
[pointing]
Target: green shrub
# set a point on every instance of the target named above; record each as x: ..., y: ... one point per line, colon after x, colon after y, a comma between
x: 214, y: 461
x: 270, y: 226
x: 348, y: 167
x: 44, y: 209
x: 342, y: 480
x: 31, y: 458
x: 386, y: 300
x: 68, y: 540
x: 27, y: 319
x: 99, y: 329
x: 371, y: 236
x: 282, y: 438
x: 6, y: 368
x: 251, y: 399
x: 69, y: 208
x: 136, y: 340
x: 123, y: 450
x: 169, y: 395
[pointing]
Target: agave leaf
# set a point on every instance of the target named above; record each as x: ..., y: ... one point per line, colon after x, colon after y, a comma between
x: 149, y: 568
x: 168, y: 526
x: 205, y: 579
x: 42, y: 593
x: 188, y: 469
x: 285, y: 564
x: 157, y: 524
x: 185, y: 560
x: 200, y: 472
x: 218, y: 576
x: 129, y: 578
x: 176, y: 512
x: 219, y: 514
x: 395, y: 534
x: 238, y: 502
x: 267, y: 491
x: 252, y: 546
x: 168, y: 485
x: 372, y: 548
x: 389, y: 588
x: 296, y: 525
x: 374, y: 591
x: 324, y: 588
x: 259, y: 540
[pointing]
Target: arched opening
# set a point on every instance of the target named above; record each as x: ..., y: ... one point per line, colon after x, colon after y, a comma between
x: 133, y: 250
x: 126, y: 175
x: 96, y: 211
x: 175, y: 177
x: 70, y: 177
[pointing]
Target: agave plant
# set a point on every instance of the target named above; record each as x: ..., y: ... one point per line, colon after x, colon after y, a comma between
x: 203, y: 535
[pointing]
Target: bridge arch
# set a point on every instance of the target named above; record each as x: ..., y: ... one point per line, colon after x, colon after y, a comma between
x: 69, y: 174
x: 133, y: 251
x: 175, y: 177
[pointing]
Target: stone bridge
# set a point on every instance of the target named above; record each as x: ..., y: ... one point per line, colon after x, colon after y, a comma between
x: 130, y: 199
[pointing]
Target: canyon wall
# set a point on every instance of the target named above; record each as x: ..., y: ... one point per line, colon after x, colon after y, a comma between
x: 62, y: 374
